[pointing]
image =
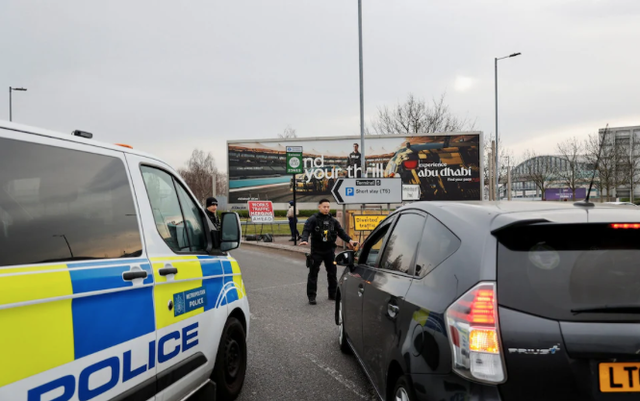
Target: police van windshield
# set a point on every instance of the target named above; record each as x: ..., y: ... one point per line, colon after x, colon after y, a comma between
x: 58, y: 204
x: 554, y: 270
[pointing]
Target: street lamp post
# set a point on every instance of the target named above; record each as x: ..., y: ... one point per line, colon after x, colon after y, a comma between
x: 497, y: 172
x: 362, y: 149
x: 10, y: 105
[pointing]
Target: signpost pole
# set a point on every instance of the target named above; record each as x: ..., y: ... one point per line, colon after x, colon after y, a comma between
x: 295, y: 216
x: 362, y: 149
x: 344, y: 223
x: 294, y: 166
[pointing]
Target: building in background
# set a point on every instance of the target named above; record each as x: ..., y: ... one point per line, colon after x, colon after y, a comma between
x: 550, y: 172
x: 622, y: 145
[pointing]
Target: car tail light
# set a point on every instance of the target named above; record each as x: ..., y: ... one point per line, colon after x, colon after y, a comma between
x: 472, y: 325
x: 635, y: 226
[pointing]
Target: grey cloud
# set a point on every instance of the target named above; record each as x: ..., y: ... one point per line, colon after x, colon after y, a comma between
x: 167, y: 77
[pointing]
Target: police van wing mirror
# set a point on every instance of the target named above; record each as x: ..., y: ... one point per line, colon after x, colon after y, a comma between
x: 230, y: 232
x: 345, y: 258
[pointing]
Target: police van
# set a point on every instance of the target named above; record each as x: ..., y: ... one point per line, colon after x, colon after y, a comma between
x: 113, y: 283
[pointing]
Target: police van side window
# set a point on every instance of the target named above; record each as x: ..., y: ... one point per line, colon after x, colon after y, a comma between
x: 179, y: 233
x: 193, y: 220
x: 58, y: 205
x: 402, y: 244
x: 437, y: 244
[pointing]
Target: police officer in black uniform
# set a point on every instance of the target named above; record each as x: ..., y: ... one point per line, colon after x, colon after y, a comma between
x: 212, y: 208
x: 324, y: 230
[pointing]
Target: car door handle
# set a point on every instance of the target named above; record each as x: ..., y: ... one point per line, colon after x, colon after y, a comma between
x: 132, y: 275
x: 393, y: 310
x: 165, y: 271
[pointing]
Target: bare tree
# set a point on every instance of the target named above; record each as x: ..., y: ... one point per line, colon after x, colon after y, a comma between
x: 507, y: 160
x: 606, y: 181
x: 288, y: 133
x: 415, y: 116
x: 222, y: 183
x: 540, y: 170
x: 199, y: 173
x: 572, y: 175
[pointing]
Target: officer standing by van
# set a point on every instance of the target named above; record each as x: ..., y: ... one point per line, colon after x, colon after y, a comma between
x: 324, y: 230
x: 212, y: 212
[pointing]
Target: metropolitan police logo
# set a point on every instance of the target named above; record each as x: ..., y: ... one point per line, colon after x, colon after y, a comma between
x: 178, y: 300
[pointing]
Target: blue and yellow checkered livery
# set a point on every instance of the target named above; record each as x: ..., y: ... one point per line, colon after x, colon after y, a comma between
x: 55, y: 314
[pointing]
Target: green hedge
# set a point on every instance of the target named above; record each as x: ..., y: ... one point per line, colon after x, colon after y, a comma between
x: 283, y: 213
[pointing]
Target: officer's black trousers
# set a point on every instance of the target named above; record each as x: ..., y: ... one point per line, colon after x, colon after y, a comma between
x: 312, y: 281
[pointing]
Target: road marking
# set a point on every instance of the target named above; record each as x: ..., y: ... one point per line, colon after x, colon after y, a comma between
x: 336, y: 375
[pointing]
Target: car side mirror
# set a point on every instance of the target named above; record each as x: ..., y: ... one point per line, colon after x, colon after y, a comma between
x: 345, y: 258
x: 230, y: 232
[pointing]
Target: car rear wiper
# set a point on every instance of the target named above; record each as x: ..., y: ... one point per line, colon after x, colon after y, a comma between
x: 635, y: 309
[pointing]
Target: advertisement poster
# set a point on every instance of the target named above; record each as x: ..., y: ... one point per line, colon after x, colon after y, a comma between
x: 446, y: 167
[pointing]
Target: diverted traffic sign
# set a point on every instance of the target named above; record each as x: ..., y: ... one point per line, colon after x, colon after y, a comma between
x: 260, y: 211
x: 367, y: 190
x: 294, y: 160
x: 367, y: 222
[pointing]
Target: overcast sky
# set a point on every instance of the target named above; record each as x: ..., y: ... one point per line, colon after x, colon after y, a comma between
x: 167, y: 76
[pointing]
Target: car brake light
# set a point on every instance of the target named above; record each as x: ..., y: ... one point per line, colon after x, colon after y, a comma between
x: 472, y: 325
x: 635, y: 226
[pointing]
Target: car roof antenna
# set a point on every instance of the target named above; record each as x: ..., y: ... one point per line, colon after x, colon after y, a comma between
x: 586, y: 202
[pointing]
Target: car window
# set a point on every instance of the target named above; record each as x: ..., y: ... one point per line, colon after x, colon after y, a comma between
x: 370, y: 251
x: 193, y: 219
x: 59, y: 205
x: 374, y: 252
x: 554, y: 270
x: 182, y: 232
x: 402, y: 244
x: 436, y: 245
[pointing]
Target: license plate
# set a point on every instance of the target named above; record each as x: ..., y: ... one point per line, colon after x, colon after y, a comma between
x: 619, y: 377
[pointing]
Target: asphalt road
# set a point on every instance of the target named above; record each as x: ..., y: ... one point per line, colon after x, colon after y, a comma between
x: 293, y: 346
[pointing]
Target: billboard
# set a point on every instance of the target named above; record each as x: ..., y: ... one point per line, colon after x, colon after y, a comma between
x: 445, y: 166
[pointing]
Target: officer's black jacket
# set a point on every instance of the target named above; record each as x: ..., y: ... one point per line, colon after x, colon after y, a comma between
x: 214, y: 219
x: 317, y: 221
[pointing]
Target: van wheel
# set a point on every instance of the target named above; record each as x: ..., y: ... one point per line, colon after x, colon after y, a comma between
x: 342, y: 334
x: 231, y: 361
x: 403, y: 390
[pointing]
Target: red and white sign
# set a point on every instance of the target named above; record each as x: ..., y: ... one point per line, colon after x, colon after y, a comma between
x: 260, y: 211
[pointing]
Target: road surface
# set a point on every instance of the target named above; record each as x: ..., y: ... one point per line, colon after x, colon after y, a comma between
x: 293, y: 346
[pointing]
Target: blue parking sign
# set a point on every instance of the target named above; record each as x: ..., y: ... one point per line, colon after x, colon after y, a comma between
x: 349, y: 191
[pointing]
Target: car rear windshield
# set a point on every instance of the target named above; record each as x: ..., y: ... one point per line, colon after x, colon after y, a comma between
x: 558, y: 271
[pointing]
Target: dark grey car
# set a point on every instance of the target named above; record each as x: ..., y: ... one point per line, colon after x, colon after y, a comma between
x: 496, y: 301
